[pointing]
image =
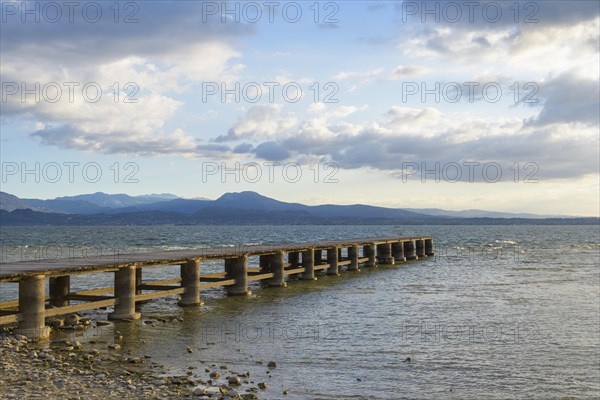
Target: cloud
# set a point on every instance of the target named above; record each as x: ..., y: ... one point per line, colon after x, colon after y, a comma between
x: 272, y: 151
x: 408, y: 135
x: 407, y: 71
x: 164, y: 54
x: 359, y: 78
x: 263, y: 120
x: 565, y: 35
x: 569, y: 98
x: 119, y: 142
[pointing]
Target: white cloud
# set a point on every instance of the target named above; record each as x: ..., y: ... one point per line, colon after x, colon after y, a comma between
x: 163, y: 56
x: 263, y: 120
x: 407, y: 71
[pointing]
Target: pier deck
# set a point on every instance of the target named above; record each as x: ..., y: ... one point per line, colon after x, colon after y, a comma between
x: 276, y: 263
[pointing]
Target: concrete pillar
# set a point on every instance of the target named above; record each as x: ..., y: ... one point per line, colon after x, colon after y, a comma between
x: 384, y: 254
x: 237, y: 269
x: 332, y: 260
x: 294, y: 259
x: 308, y: 262
x: 125, y: 294
x: 429, y: 247
x: 277, y: 265
x: 353, y: 255
x: 398, y: 252
x: 369, y: 252
x: 190, y: 280
x: 59, y: 290
x: 32, y: 298
x: 410, y: 250
x: 420, y: 248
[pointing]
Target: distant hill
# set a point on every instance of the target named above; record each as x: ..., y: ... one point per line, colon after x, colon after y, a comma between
x: 96, y: 202
x: 235, y: 208
x: 480, y: 213
x: 8, y: 202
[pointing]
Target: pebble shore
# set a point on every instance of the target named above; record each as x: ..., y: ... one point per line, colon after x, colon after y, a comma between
x: 68, y: 369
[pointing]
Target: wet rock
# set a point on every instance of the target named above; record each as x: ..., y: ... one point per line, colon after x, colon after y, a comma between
x: 115, y: 346
x: 189, y: 349
x: 199, y: 390
x: 215, y: 374
x: 55, y: 322
x: 272, y: 364
x: 285, y: 393
x: 262, y: 385
x: 213, y: 390
x: 234, y: 380
x: 72, y: 319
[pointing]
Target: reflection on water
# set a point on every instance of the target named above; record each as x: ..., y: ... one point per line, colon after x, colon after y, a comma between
x: 501, y: 311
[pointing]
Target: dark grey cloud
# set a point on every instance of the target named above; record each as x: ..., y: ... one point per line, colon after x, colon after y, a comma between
x: 546, y: 13
x: 243, y: 148
x: 569, y: 98
x: 272, y: 151
x: 162, y: 27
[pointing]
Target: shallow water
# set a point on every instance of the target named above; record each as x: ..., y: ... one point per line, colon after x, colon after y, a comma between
x: 500, y: 312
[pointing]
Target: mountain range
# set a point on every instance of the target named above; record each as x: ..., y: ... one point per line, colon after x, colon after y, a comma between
x: 233, y: 208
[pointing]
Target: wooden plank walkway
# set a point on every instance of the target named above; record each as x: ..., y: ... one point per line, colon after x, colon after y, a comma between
x: 15, y: 271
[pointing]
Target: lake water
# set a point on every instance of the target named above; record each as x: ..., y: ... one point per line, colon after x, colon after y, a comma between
x: 500, y: 312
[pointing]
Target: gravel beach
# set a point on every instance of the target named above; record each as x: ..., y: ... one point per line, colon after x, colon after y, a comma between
x: 90, y: 369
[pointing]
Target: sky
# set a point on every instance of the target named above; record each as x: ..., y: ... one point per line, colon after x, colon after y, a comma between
x: 457, y: 105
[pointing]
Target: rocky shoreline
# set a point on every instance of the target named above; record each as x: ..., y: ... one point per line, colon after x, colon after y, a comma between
x: 73, y: 370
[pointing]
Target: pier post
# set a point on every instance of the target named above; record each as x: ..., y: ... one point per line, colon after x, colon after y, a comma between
x: 369, y: 251
x: 32, y: 299
x: 332, y: 260
x: 237, y: 269
x: 340, y: 258
x: 398, y: 252
x: 190, y: 280
x: 308, y: 263
x: 384, y: 254
x: 277, y: 266
x: 294, y: 259
x: 429, y: 247
x: 410, y: 250
x: 59, y: 290
x: 420, y: 248
x: 125, y: 295
x: 353, y: 255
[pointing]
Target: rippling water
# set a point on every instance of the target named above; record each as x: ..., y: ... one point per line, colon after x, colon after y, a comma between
x: 500, y: 312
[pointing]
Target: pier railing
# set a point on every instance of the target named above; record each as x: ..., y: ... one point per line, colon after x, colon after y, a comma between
x: 276, y: 263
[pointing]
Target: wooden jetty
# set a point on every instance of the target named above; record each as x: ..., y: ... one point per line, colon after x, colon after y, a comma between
x: 276, y: 262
